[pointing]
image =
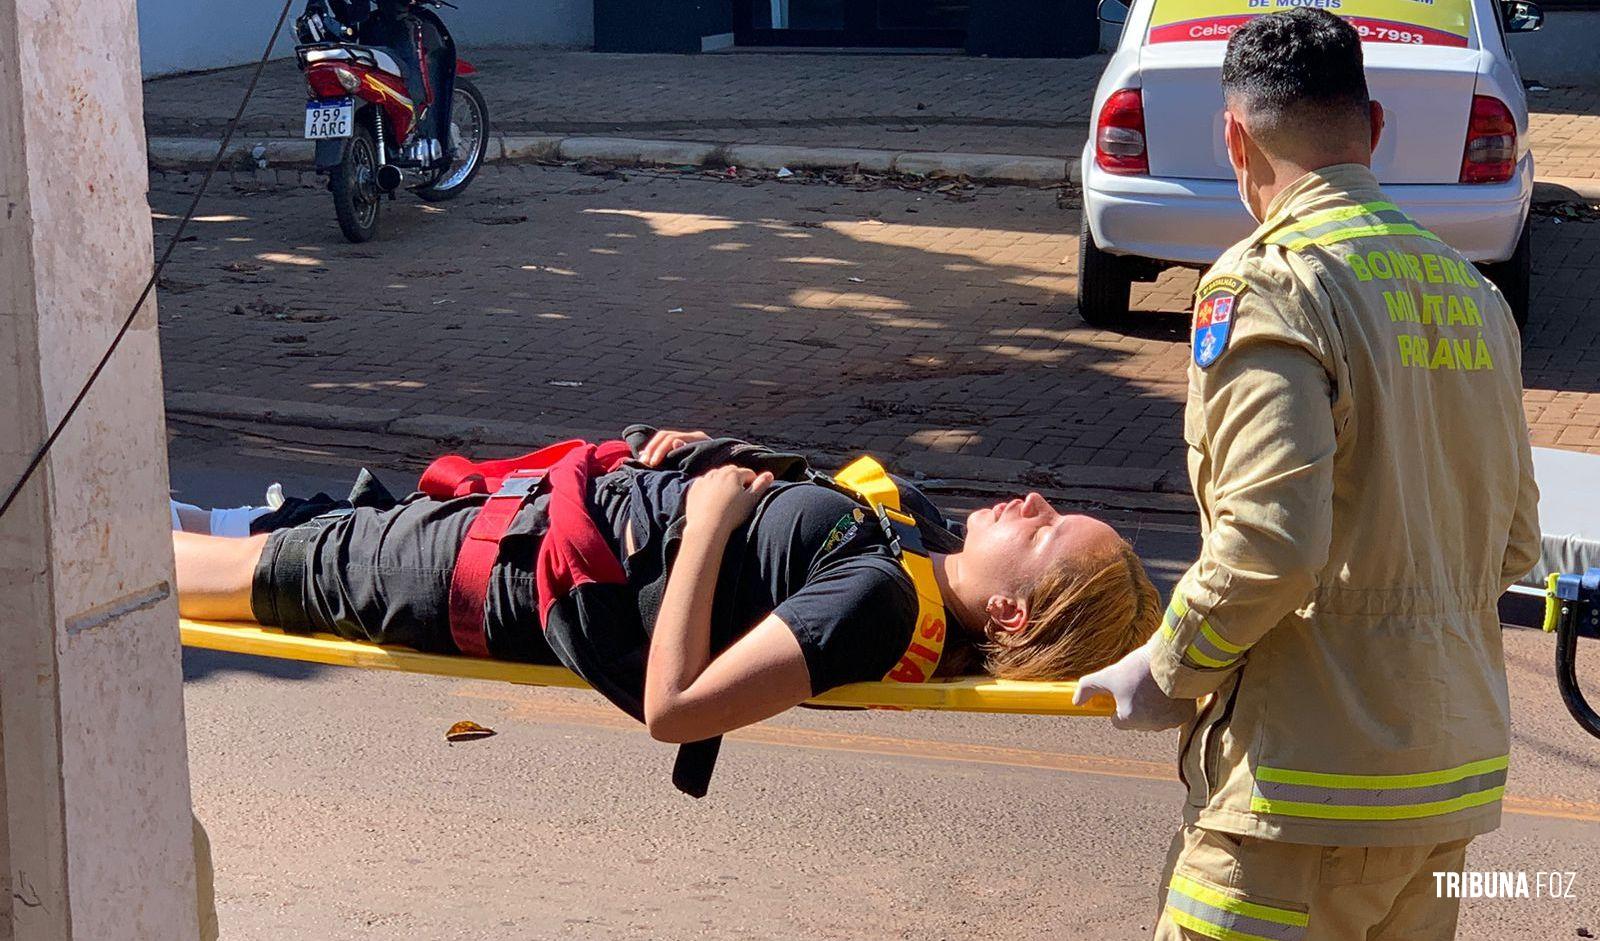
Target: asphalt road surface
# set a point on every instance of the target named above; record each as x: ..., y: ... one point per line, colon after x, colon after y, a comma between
x: 338, y: 811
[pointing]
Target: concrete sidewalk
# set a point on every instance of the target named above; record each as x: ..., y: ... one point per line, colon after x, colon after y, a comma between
x: 887, y: 105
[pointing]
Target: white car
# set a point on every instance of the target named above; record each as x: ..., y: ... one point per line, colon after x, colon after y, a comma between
x: 1157, y: 187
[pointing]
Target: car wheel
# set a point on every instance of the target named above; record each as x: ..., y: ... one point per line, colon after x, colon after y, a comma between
x: 1514, y: 275
x: 1103, y: 283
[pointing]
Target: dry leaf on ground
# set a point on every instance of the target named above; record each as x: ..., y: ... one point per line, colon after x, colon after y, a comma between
x: 466, y: 731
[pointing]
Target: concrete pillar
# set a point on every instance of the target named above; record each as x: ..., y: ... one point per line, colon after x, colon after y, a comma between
x: 95, y: 778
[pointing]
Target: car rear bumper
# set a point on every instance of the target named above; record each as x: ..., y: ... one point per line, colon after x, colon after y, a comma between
x: 1192, y: 221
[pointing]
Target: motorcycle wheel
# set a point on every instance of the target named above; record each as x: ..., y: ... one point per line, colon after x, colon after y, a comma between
x: 469, y: 132
x: 354, y: 183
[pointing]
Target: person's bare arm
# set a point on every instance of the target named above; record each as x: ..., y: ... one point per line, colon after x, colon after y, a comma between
x: 688, y: 696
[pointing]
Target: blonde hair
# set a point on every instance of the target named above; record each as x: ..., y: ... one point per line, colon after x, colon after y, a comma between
x: 1084, y: 614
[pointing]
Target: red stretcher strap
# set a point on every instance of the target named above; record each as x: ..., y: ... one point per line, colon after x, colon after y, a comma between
x: 455, y: 476
x: 573, y: 551
x: 469, y: 580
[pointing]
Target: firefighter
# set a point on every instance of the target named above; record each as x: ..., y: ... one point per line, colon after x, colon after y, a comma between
x: 1360, y: 458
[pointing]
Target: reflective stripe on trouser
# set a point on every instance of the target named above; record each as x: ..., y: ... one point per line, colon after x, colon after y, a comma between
x: 1214, y: 913
x: 1219, y: 886
x: 1208, y: 650
x: 1346, y: 223
x: 1378, y: 796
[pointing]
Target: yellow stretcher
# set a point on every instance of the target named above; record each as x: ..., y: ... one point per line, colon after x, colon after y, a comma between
x: 961, y: 694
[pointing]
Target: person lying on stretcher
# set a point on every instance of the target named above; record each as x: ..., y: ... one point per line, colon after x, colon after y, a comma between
x: 746, y: 591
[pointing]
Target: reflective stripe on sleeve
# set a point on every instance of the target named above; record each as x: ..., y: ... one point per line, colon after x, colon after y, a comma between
x: 1378, y: 796
x: 1361, y: 232
x: 1175, y: 612
x: 1330, y: 219
x: 1346, y: 223
x: 1216, y: 914
x: 1208, y: 650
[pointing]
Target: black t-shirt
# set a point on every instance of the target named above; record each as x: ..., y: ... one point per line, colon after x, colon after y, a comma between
x: 812, y: 556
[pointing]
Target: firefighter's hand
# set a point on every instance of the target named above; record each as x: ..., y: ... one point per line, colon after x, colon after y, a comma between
x: 1141, y: 705
x: 664, y: 442
x: 723, y: 498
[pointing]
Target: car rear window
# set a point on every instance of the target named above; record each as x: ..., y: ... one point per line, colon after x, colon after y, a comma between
x: 1412, y: 22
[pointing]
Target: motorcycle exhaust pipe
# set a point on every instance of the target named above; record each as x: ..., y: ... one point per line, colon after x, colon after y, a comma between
x: 389, y: 178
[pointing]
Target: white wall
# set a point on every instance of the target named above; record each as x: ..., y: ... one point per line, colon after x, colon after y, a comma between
x: 187, y: 35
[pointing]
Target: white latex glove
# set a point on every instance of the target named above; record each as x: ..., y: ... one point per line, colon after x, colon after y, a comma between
x: 1141, y: 705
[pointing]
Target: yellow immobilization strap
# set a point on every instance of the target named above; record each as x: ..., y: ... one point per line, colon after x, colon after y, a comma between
x: 868, y: 480
x: 871, y: 482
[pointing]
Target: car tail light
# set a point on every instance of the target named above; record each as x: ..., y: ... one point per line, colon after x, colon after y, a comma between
x: 1119, y: 134
x: 1491, y: 152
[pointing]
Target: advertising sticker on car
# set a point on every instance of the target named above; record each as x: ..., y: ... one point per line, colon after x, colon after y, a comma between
x: 1411, y: 22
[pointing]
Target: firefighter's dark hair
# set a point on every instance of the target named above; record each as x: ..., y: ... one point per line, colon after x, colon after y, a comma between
x: 1300, y: 64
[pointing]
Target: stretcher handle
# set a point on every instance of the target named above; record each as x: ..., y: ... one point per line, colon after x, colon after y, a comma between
x: 1552, y: 604
x: 1567, y: 615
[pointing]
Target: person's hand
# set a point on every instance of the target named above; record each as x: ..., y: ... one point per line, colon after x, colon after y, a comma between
x: 721, y: 499
x: 1141, y: 705
x: 664, y: 442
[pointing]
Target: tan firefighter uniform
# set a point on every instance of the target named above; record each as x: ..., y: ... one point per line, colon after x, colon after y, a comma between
x: 1360, y: 456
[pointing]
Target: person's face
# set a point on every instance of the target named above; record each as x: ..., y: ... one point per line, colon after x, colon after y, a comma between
x: 1011, y: 545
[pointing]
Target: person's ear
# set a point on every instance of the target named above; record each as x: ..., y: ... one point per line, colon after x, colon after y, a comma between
x: 1007, y: 615
x: 1233, y: 135
x: 1377, y: 122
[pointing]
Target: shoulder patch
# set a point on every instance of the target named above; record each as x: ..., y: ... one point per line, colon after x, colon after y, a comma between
x: 1213, y: 317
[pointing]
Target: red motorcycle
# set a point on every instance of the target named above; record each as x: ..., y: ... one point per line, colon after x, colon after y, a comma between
x: 376, y: 130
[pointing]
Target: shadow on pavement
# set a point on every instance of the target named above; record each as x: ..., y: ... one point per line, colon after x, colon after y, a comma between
x: 892, y: 321
x: 200, y: 665
x: 1166, y: 554
x: 1560, y: 350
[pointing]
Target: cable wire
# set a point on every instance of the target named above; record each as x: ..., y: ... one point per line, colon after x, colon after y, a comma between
x: 155, y: 275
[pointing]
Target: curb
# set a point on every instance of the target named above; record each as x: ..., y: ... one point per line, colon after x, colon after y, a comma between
x: 189, y: 153
x: 1121, y: 487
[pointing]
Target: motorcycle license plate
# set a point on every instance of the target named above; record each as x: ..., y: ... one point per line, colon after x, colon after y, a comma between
x: 330, y: 117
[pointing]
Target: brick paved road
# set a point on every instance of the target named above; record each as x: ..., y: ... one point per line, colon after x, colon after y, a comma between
x: 924, y: 103
x: 887, y: 320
